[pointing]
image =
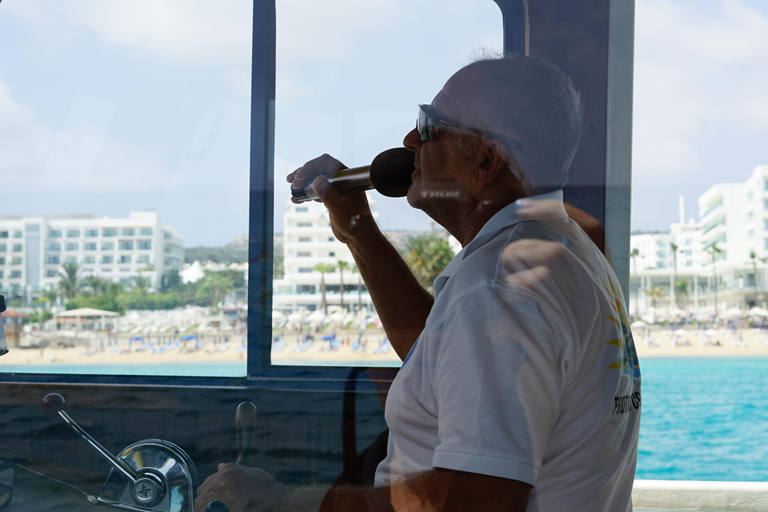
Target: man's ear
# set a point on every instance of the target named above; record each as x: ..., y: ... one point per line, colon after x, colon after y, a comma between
x: 492, y: 161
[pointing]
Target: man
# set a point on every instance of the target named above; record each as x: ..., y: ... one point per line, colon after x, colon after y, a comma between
x: 520, y: 386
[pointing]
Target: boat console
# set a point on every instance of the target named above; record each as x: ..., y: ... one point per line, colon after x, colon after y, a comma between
x: 154, y: 475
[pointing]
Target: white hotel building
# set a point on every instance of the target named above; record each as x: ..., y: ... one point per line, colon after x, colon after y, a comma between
x: 308, y: 241
x: 34, y: 248
x: 734, y: 220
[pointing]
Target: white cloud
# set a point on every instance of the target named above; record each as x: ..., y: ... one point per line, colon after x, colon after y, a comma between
x: 23, y: 142
x: 180, y: 30
x: 697, y: 73
x: 324, y: 30
x: 78, y: 157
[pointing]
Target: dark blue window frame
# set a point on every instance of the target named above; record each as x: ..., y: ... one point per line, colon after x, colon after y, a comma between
x: 528, y: 28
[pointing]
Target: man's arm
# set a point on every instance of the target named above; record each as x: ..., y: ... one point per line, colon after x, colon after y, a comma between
x: 401, y: 302
x: 435, y: 490
x: 246, y: 489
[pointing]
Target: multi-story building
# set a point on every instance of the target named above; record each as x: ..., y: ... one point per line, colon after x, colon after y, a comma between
x: 33, y: 249
x: 654, y: 250
x: 722, y: 258
x: 308, y: 241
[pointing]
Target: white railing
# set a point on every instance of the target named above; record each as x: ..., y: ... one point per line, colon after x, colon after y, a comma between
x: 683, y: 496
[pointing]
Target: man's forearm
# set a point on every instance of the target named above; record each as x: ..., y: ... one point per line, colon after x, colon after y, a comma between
x: 401, y: 302
x: 356, y: 499
x: 434, y: 490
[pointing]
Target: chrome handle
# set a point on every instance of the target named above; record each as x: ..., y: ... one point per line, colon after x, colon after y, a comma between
x: 54, y: 402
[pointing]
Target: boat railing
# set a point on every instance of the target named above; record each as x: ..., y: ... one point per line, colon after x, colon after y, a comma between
x: 687, y: 495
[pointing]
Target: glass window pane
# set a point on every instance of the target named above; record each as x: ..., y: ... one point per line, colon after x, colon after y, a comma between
x: 121, y: 120
x: 334, y: 90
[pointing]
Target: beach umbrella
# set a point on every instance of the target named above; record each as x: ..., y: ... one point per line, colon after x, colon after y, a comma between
x: 733, y: 313
x: 637, y: 323
x: 316, y: 316
x: 757, y: 311
x: 680, y: 332
x: 710, y: 332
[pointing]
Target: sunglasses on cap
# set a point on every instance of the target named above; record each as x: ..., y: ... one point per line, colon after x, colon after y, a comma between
x: 427, y: 127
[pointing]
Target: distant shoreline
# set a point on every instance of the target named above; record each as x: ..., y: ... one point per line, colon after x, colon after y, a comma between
x: 654, y: 342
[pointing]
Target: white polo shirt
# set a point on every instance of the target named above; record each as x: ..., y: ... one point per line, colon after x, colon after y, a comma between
x: 531, y: 380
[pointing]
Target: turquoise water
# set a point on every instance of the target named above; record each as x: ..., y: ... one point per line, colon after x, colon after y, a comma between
x: 703, y: 418
x: 196, y: 369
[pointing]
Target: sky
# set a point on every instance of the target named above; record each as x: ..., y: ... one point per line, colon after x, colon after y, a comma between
x: 109, y: 106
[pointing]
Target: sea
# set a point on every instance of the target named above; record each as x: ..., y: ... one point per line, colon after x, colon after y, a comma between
x: 702, y: 418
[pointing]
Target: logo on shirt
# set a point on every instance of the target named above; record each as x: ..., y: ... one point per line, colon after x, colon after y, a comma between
x: 629, y: 362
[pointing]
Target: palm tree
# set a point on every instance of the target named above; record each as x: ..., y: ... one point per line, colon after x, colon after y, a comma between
x: 713, y: 250
x: 427, y: 256
x: 51, y: 296
x: 141, y: 283
x: 341, y: 265
x: 97, y: 285
x: 323, y: 268
x: 655, y: 293
x: 634, y: 255
x: 673, y: 246
x: 70, y: 281
x: 753, y: 257
x: 214, y: 287
x: 114, y: 289
x: 359, y: 287
x: 681, y: 291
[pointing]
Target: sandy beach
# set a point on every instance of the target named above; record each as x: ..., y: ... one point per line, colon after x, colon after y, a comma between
x: 650, y: 342
x: 90, y: 351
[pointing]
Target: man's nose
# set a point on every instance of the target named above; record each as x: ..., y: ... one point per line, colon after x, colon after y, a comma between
x: 412, y: 141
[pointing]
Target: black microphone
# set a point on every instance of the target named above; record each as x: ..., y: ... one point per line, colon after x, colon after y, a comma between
x: 389, y: 173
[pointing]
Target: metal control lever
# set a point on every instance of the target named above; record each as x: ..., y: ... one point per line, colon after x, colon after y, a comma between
x: 245, y: 433
x: 150, y: 475
x: 54, y: 402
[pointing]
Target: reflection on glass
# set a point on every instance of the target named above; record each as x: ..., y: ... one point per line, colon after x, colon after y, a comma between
x: 353, y: 93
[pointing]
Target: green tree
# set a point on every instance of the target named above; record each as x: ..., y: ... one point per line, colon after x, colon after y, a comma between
x: 654, y: 293
x: 342, y: 265
x: 681, y: 291
x: 141, y: 283
x: 96, y: 285
x: 427, y: 256
x: 278, y: 270
x: 106, y: 302
x: 214, y: 287
x: 323, y: 268
x: 171, y: 281
x: 50, y: 296
x: 69, y: 284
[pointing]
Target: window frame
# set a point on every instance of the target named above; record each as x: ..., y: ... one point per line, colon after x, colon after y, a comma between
x: 607, y: 78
